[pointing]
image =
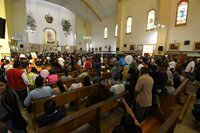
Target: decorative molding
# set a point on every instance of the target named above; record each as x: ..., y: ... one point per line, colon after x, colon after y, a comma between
x: 92, y: 9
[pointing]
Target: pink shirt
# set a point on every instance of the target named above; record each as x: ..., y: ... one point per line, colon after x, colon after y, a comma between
x: 52, y: 78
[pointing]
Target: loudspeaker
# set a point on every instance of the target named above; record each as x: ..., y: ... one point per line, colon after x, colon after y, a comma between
x: 2, y: 28
x: 187, y: 42
x: 160, y: 48
x: 124, y: 45
x: 117, y: 49
x: 21, y: 46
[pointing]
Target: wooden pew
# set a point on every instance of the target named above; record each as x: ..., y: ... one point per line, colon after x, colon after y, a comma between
x: 64, y: 98
x: 87, y: 115
x: 106, y: 75
x: 166, y: 123
x: 179, y: 91
x: 156, y: 125
x: 169, y: 124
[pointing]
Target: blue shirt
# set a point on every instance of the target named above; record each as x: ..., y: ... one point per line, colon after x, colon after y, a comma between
x: 38, y: 93
x: 122, y: 62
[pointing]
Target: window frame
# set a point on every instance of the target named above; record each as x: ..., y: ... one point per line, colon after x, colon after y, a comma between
x: 106, y: 33
x: 127, y: 24
x: 179, y: 3
x: 148, y: 19
x: 116, y: 30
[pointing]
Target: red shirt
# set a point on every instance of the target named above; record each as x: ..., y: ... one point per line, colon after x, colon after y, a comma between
x: 15, y: 80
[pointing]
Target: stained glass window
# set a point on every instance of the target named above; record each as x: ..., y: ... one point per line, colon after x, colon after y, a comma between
x: 182, y: 12
x: 151, y: 19
x: 116, y: 30
x: 105, y: 32
x: 128, y: 25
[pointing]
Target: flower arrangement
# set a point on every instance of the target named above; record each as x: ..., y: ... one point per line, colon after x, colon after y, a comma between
x: 31, y: 22
x: 67, y: 27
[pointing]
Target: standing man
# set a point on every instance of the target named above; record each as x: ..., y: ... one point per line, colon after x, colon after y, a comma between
x: 17, y: 80
x: 190, y: 68
x: 143, y: 91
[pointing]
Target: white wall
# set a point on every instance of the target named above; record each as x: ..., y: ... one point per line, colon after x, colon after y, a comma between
x: 138, y: 10
x: 189, y: 32
x: 98, y: 34
x: 39, y: 9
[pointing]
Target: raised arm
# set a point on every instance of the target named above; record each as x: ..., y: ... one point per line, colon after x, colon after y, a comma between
x: 130, y: 112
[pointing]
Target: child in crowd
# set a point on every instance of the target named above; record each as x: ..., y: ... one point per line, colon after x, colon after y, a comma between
x: 51, y: 114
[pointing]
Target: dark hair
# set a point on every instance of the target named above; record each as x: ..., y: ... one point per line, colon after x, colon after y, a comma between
x: 17, y: 64
x: 34, y: 70
x: 144, y: 70
x: 50, y: 106
x: 39, y: 81
x: 86, y: 81
x: 60, y: 85
x: 66, y: 73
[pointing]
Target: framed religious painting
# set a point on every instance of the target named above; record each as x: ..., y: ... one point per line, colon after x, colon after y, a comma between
x: 174, y: 46
x: 49, y: 36
x: 132, y: 47
x: 197, y: 46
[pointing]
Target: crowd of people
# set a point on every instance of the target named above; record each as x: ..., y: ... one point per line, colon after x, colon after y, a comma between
x: 146, y: 78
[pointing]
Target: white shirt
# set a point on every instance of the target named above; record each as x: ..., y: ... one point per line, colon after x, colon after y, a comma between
x: 189, y: 66
x: 170, y: 89
x: 8, y: 66
x: 140, y: 66
x: 61, y: 61
x: 75, y: 86
x: 79, y: 62
x: 172, y: 64
x: 117, y: 89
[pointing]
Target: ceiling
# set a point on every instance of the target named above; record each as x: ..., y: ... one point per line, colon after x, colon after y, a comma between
x: 103, y: 8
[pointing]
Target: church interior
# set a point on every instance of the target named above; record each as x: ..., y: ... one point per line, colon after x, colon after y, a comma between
x: 112, y: 41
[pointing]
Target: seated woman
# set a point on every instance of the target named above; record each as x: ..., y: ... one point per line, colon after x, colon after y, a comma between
x: 169, y: 87
x: 39, y: 92
x: 60, y: 87
x: 75, y: 85
x: 51, y: 114
x: 66, y: 76
x: 53, y: 77
x: 96, y: 78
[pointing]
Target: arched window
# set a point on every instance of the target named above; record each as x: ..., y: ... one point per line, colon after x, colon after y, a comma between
x: 182, y: 12
x: 105, y: 32
x: 151, y: 19
x: 116, y: 30
x: 128, y: 25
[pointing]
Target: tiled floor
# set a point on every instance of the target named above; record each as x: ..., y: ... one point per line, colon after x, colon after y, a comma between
x: 188, y: 124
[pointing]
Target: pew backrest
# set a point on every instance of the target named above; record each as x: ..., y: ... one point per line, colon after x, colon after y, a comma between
x: 64, y: 98
x: 106, y: 75
x: 90, y: 114
x: 178, y: 92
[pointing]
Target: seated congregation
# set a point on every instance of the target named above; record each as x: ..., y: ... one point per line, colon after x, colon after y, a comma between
x: 84, y: 87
